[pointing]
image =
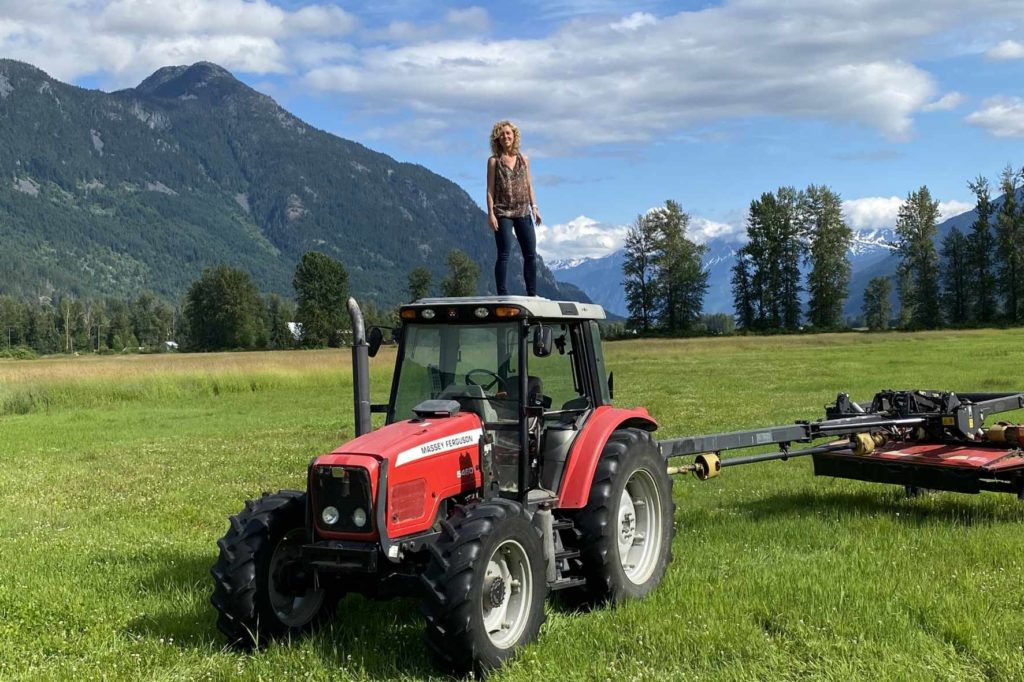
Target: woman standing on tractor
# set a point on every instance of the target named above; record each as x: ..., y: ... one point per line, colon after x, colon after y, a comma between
x: 511, y: 206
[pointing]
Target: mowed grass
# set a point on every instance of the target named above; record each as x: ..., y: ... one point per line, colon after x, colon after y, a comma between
x: 117, y: 476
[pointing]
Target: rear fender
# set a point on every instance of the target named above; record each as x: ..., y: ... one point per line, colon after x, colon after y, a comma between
x: 586, y: 450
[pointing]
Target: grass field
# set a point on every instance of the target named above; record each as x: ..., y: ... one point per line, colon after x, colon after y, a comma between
x: 117, y: 475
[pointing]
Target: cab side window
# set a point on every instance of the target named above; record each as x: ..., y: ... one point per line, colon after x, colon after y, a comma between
x: 555, y: 373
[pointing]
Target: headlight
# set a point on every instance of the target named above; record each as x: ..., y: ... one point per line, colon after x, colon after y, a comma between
x: 330, y: 515
x: 358, y: 517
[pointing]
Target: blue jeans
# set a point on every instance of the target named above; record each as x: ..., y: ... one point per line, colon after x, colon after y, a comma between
x: 527, y: 237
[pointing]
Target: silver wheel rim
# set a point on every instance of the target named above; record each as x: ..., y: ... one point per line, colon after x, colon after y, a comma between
x: 638, y: 527
x: 290, y: 610
x: 507, y: 594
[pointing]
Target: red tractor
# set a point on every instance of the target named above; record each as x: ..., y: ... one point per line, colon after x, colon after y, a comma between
x: 502, y: 473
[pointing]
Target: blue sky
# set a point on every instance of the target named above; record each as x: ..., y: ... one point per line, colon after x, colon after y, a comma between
x: 621, y: 104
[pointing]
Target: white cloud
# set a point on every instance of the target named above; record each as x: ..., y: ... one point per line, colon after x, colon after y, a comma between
x: 125, y: 40
x: 1008, y: 49
x: 951, y: 100
x: 635, y: 21
x: 606, y: 75
x: 584, y: 237
x: 870, y: 213
x: 469, y: 22
x: 471, y: 19
x: 581, y: 237
x: 320, y: 20
x: 948, y: 209
x: 1000, y: 116
x: 702, y: 230
x: 638, y: 77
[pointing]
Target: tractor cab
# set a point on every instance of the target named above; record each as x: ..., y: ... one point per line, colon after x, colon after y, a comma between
x: 530, y: 369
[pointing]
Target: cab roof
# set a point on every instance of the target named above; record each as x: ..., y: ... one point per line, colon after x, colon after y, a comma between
x: 533, y: 306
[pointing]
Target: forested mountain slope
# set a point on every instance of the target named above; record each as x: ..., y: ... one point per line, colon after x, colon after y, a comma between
x: 110, y: 194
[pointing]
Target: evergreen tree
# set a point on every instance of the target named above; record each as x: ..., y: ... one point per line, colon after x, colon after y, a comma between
x: 877, y: 310
x: 919, y: 260
x: 742, y: 293
x: 150, y: 319
x: 224, y: 311
x: 120, y: 331
x: 462, y: 275
x: 420, y: 280
x: 830, y: 239
x: 956, y: 278
x: 41, y: 333
x: 718, y: 324
x: 981, y: 256
x: 321, y: 293
x: 680, y: 281
x: 279, y: 313
x: 639, y: 272
x: 13, y: 322
x: 1010, y: 234
x: 97, y: 323
x: 774, y: 249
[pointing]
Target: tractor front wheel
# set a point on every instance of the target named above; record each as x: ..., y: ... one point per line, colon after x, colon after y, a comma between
x: 485, y: 587
x: 259, y: 591
x: 627, y: 526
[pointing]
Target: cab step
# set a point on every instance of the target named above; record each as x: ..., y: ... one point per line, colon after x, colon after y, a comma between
x: 566, y: 583
x: 566, y: 554
x: 562, y: 524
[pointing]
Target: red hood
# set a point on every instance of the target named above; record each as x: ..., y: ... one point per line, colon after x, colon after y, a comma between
x: 409, y: 441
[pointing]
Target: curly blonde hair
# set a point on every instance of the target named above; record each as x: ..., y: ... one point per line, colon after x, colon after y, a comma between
x: 496, y: 143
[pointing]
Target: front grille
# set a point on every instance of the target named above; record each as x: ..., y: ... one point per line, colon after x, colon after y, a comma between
x: 347, y: 489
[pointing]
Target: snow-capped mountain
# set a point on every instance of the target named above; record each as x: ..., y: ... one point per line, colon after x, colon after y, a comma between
x: 566, y: 263
x: 601, y: 278
x: 872, y: 241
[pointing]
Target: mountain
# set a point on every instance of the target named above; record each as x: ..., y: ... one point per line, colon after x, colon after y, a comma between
x: 601, y: 278
x: 109, y: 194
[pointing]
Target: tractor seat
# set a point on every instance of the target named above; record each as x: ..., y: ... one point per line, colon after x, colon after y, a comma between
x: 534, y: 391
x: 471, y: 398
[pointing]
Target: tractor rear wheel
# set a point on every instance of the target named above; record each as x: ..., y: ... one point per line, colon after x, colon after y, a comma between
x: 626, y: 529
x: 485, y: 587
x: 258, y: 593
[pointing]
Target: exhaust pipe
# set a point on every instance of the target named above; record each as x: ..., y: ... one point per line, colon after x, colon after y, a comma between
x: 360, y: 370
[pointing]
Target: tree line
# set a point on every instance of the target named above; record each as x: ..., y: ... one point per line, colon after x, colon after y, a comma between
x: 222, y: 310
x: 663, y: 277
x: 793, y: 273
x: 969, y: 279
x: 785, y: 230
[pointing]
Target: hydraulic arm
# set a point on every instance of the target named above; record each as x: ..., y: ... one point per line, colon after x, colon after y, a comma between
x: 904, y: 415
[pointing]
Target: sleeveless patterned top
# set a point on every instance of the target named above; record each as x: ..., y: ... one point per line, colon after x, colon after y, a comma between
x: 511, y: 192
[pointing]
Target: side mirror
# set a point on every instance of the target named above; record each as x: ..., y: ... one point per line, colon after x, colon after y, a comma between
x: 375, y: 337
x: 543, y: 339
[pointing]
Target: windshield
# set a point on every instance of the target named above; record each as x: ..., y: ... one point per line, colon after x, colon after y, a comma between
x: 467, y: 363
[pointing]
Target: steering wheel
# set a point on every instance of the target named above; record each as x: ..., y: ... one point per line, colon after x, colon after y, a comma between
x: 496, y: 380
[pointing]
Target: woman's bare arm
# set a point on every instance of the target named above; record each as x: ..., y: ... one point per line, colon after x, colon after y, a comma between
x: 491, y: 218
x: 529, y: 185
